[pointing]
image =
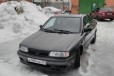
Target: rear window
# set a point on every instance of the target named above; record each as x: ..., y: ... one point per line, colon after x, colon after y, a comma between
x: 106, y: 9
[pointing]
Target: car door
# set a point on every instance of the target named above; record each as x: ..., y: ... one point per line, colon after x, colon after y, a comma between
x: 88, y: 23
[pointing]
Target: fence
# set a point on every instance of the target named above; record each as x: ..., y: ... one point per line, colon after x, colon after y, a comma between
x: 59, y: 5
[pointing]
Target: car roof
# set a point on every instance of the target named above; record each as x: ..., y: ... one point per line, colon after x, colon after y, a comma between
x: 70, y: 15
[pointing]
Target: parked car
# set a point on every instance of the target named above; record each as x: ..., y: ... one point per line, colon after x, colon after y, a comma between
x: 57, y: 46
x: 103, y: 13
x: 52, y: 10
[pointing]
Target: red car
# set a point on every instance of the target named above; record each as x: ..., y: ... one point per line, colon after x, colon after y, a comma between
x: 103, y: 13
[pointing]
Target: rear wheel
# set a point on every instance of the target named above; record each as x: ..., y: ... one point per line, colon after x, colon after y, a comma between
x: 111, y: 19
x: 77, y: 60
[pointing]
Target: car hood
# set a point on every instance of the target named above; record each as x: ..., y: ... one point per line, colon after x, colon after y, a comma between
x: 50, y: 41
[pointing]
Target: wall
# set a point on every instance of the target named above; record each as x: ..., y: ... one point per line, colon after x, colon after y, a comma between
x: 14, y: 0
x: 2, y: 1
x: 109, y: 3
x: 74, y: 6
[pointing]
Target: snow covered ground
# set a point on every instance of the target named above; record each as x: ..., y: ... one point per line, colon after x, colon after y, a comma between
x: 97, y: 61
x: 14, y: 25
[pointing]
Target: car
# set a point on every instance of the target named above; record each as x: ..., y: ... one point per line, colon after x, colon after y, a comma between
x: 59, y: 43
x: 103, y: 13
x: 51, y: 10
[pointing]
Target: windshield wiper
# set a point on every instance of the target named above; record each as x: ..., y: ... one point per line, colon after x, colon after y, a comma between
x: 62, y: 31
x: 47, y: 30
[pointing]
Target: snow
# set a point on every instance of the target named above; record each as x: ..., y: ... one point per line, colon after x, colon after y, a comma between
x: 49, y: 11
x: 100, y: 60
x: 53, y: 9
x: 97, y: 60
x: 13, y: 25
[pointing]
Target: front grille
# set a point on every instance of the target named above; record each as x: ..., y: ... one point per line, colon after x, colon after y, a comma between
x: 39, y: 53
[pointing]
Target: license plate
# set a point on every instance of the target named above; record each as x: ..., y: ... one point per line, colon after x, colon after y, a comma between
x: 36, y: 61
x: 109, y: 13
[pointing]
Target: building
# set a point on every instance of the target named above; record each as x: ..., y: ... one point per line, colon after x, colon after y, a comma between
x: 55, y: 3
x: 2, y: 1
x: 86, y: 6
x: 76, y: 6
x: 13, y: 0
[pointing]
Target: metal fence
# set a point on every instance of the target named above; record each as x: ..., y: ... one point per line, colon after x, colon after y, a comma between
x: 59, y: 5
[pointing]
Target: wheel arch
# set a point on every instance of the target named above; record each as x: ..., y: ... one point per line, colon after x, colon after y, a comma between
x: 81, y: 49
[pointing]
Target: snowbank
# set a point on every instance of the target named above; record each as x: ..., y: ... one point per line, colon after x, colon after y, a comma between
x: 50, y: 11
x: 14, y: 25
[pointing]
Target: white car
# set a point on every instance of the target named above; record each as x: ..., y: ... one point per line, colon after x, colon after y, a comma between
x: 51, y: 10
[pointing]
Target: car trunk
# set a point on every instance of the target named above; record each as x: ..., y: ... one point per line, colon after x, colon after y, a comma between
x: 107, y: 13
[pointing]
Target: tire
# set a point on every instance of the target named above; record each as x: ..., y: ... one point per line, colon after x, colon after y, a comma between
x: 98, y: 18
x: 94, y: 39
x: 111, y: 19
x: 77, y: 60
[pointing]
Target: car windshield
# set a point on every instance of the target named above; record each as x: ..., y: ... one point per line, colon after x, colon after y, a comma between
x: 66, y: 24
x: 106, y: 9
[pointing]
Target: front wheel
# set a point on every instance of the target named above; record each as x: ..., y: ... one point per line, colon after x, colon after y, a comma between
x: 77, y: 60
x: 111, y: 19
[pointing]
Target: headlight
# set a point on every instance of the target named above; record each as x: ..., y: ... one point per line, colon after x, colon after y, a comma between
x: 59, y: 54
x: 23, y: 48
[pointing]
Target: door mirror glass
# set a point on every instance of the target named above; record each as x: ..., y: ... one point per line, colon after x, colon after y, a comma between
x: 87, y: 29
x: 40, y: 26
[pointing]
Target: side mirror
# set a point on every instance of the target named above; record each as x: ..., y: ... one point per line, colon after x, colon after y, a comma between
x: 40, y: 26
x: 87, y: 29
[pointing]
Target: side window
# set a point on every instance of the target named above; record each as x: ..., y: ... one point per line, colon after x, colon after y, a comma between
x: 90, y: 21
x: 89, y: 18
x: 85, y: 20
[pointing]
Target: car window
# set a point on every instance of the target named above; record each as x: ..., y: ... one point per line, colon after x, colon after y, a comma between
x: 106, y: 9
x: 63, y: 23
x: 85, y: 20
x: 89, y: 18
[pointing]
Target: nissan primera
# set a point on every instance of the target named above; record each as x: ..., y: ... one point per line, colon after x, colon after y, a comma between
x: 58, y: 44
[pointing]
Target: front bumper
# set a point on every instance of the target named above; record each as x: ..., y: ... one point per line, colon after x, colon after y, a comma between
x: 52, y: 64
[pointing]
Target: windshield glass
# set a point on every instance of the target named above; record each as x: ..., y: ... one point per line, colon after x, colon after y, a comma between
x: 71, y: 24
x: 106, y: 9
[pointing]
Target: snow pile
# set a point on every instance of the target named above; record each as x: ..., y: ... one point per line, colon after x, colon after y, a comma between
x: 14, y: 25
x: 50, y: 11
x: 53, y: 9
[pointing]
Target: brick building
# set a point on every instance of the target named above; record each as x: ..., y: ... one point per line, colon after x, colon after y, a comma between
x: 86, y: 6
x: 2, y: 1
x: 13, y: 0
